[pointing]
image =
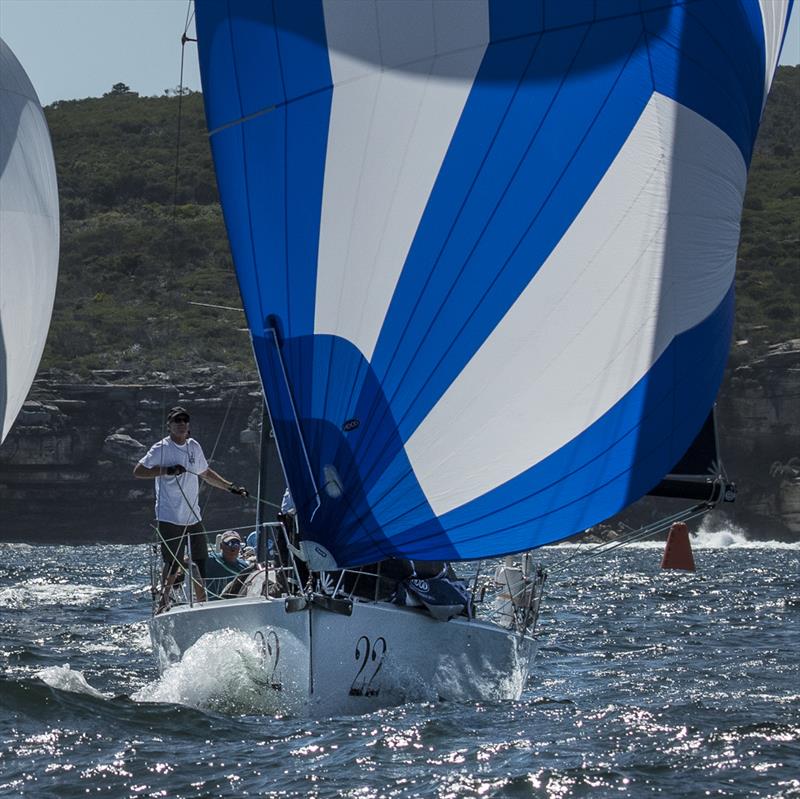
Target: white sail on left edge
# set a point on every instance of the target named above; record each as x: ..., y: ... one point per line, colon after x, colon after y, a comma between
x: 29, y: 235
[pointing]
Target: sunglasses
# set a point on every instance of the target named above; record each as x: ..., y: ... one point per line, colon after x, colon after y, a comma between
x: 180, y: 419
x: 231, y: 544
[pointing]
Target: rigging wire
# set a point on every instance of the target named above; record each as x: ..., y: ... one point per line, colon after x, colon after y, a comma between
x: 224, y: 422
x: 172, y: 269
x: 217, y: 307
x: 184, y: 38
x: 173, y: 222
x: 631, y: 537
x: 173, y: 237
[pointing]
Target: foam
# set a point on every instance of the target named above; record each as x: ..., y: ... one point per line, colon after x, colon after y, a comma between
x: 40, y: 591
x: 730, y: 536
x: 65, y: 679
x: 44, y: 592
x: 733, y: 537
x: 221, y: 671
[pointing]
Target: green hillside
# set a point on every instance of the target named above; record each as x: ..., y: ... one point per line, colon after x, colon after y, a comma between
x: 132, y: 264
x: 768, y: 269
x: 132, y: 261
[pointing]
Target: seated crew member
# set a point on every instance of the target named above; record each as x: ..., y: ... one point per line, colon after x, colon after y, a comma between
x: 224, y: 566
x: 251, y: 543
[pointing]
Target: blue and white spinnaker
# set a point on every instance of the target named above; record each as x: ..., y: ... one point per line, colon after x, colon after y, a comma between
x: 486, y: 249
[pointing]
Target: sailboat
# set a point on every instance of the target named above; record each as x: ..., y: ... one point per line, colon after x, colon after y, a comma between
x: 486, y: 252
x: 29, y: 235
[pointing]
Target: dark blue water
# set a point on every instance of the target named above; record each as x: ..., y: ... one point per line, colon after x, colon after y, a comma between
x: 648, y: 683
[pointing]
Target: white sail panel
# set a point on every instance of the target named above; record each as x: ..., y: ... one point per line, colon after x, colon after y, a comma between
x: 775, y: 17
x: 389, y: 131
x: 618, y: 288
x: 29, y: 235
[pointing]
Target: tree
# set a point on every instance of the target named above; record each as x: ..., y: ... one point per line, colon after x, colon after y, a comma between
x: 120, y: 88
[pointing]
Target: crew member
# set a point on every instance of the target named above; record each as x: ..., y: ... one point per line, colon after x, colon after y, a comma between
x: 223, y: 567
x: 176, y: 462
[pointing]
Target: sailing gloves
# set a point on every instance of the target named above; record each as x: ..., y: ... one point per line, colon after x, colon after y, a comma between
x: 240, y: 490
x: 174, y: 470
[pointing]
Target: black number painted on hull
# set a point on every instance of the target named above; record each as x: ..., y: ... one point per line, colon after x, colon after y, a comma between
x: 366, y: 655
x: 270, y: 648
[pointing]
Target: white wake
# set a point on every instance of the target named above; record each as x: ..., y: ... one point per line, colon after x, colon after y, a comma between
x: 65, y: 679
x: 222, y: 671
x: 731, y: 536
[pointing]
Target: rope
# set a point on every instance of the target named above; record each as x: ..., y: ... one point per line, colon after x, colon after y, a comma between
x: 184, y: 39
x: 644, y: 533
x: 193, y: 582
x: 186, y: 527
x: 234, y: 394
x: 174, y: 217
x: 216, y: 307
x: 640, y: 534
x: 176, y: 564
x: 173, y: 553
x: 228, y: 529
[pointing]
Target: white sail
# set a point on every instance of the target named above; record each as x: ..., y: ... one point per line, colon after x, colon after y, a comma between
x: 29, y: 235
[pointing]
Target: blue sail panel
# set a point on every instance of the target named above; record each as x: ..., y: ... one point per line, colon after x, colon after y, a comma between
x: 483, y: 247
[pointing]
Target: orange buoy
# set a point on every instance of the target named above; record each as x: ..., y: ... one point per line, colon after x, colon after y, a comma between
x: 678, y: 552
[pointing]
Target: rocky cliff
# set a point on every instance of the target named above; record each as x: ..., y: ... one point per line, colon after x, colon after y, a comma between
x: 759, y: 415
x: 66, y: 467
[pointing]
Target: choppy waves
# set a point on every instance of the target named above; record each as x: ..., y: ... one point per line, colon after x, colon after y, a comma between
x: 647, y: 682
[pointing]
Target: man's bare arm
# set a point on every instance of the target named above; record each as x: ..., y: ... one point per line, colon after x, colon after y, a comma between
x: 213, y: 479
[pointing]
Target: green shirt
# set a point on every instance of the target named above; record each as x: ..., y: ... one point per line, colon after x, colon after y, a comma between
x: 220, y: 572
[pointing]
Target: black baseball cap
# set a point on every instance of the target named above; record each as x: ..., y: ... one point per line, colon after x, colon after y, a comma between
x: 177, y: 411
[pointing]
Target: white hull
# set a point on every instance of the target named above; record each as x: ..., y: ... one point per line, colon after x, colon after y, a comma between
x: 320, y: 663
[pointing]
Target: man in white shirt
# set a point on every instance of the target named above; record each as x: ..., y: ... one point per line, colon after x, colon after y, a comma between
x: 176, y: 462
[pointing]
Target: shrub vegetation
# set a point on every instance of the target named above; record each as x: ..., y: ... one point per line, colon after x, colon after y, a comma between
x: 768, y: 267
x: 139, y: 244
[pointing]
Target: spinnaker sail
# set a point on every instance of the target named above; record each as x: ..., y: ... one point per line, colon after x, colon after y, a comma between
x: 483, y: 248
x: 29, y: 235
x: 699, y: 474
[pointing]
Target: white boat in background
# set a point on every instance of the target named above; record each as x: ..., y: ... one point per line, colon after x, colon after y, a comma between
x: 486, y: 252
x: 29, y: 235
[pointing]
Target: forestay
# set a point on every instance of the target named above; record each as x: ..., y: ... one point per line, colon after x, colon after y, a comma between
x: 29, y: 235
x: 486, y: 250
